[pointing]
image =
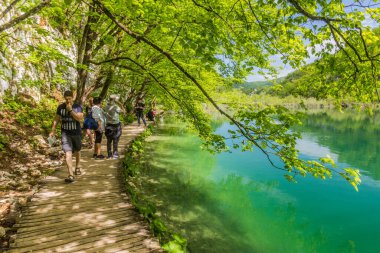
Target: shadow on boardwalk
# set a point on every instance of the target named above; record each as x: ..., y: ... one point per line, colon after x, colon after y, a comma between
x: 92, y: 214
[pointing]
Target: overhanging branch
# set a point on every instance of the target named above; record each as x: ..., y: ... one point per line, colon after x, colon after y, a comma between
x: 137, y: 36
x: 24, y: 16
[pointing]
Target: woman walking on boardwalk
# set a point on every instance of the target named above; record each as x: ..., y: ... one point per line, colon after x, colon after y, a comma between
x: 113, y: 127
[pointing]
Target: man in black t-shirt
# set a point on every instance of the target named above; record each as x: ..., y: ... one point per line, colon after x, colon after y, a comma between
x: 70, y: 115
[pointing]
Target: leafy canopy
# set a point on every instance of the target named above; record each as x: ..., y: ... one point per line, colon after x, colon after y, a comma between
x: 186, y: 54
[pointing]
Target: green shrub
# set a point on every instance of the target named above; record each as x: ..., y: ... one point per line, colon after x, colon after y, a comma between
x: 170, y: 241
x: 12, y: 104
x: 4, y: 140
x: 40, y: 117
x: 127, y: 118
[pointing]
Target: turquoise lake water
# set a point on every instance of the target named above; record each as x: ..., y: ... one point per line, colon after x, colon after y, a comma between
x: 237, y: 202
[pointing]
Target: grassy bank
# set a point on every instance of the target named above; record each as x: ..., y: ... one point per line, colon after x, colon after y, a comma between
x: 132, y: 166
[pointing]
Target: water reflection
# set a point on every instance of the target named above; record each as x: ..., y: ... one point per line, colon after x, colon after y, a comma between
x: 352, y: 135
x: 184, y: 198
x: 236, y: 202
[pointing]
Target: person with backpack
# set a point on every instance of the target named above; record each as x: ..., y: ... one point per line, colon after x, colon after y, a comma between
x: 139, y: 109
x: 88, y: 131
x: 98, y: 116
x: 113, y: 126
x: 69, y: 115
x: 151, y: 115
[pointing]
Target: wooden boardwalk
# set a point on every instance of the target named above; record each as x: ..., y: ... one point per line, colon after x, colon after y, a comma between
x: 92, y: 214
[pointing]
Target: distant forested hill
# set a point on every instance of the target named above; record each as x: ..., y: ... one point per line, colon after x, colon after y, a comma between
x: 257, y: 86
x: 301, y: 82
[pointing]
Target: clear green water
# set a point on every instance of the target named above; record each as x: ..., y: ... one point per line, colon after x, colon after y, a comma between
x: 238, y: 203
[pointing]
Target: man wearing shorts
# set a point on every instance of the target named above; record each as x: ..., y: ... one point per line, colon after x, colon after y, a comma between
x: 70, y: 115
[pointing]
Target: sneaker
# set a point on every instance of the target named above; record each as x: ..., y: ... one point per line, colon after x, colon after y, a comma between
x: 77, y: 171
x: 69, y: 179
x: 100, y: 157
x: 115, y: 155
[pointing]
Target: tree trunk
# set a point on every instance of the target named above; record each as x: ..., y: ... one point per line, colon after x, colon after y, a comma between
x: 97, y: 84
x: 84, y: 55
x: 107, y: 84
x: 140, y: 93
x: 128, y: 105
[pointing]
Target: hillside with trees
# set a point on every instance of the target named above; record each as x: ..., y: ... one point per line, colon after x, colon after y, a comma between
x: 253, y: 87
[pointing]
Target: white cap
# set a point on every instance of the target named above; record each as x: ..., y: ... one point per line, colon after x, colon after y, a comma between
x: 114, y: 97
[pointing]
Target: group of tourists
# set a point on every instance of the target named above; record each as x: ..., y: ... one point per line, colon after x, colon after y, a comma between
x: 107, y: 123
x: 97, y: 121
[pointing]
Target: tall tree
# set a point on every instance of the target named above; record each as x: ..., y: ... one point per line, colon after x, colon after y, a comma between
x: 235, y: 37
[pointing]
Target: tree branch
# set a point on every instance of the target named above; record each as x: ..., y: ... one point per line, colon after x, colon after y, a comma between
x: 262, y: 29
x: 232, y: 8
x: 217, y: 14
x: 114, y: 31
x: 9, y: 8
x: 309, y: 15
x: 133, y: 34
x: 24, y: 16
x: 343, y: 49
x: 175, y: 39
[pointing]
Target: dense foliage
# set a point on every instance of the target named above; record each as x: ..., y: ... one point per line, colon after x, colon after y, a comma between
x: 185, y: 54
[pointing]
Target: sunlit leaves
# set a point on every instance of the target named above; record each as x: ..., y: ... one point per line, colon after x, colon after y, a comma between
x: 352, y: 176
x: 290, y: 178
x: 216, y: 43
x: 328, y: 160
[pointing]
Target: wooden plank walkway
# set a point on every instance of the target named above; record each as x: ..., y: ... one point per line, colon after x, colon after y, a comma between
x: 90, y: 215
